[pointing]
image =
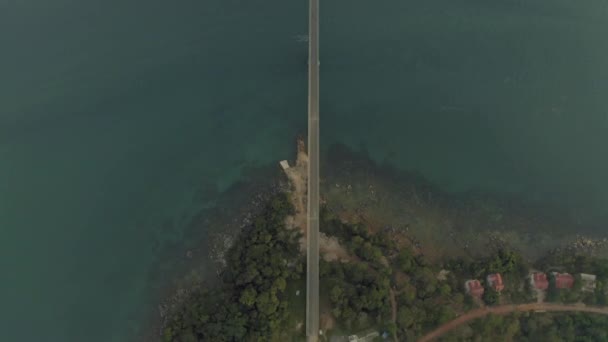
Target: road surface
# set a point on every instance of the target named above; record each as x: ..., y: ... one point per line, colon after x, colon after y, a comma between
x: 312, y: 250
x: 506, y: 309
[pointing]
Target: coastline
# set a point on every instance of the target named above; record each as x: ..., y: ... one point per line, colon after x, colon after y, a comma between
x: 198, y: 259
x: 360, y: 190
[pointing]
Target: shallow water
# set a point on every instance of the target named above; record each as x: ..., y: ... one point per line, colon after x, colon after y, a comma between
x: 115, y: 114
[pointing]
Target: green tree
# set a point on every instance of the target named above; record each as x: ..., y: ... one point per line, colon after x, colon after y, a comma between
x: 445, y: 290
x: 553, y: 293
x: 267, y: 303
x: 468, y: 303
x: 279, y: 284
x: 444, y: 314
x: 405, y: 317
x: 249, y: 304
x: 458, y: 298
x: 248, y: 296
x: 336, y: 294
x: 490, y: 296
x: 408, y: 293
x: 406, y: 261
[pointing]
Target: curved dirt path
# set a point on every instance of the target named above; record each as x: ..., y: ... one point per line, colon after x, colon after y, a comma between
x: 505, y: 309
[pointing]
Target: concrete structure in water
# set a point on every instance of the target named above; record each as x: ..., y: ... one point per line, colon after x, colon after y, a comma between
x: 284, y: 164
x: 312, y: 231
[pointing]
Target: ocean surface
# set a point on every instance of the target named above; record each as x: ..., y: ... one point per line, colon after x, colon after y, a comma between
x: 116, y: 115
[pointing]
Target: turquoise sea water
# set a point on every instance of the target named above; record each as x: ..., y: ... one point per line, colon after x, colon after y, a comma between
x: 113, y: 114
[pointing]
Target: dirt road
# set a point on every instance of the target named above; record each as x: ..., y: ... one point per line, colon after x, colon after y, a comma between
x: 506, y: 309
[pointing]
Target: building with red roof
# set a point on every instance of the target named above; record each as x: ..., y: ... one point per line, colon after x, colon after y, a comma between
x: 563, y: 280
x: 474, y: 288
x: 539, y: 281
x: 495, y: 281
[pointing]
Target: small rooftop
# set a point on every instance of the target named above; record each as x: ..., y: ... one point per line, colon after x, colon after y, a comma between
x: 589, y: 282
x: 539, y: 281
x: 495, y: 281
x: 474, y: 288
x: 563, y: 280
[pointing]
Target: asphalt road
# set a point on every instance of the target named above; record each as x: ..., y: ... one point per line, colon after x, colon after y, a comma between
x: 312, y: 265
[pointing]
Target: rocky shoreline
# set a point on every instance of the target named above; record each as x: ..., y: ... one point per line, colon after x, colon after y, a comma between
x: 357, y: 189
x: 441, y: 223
x: 200, y: 264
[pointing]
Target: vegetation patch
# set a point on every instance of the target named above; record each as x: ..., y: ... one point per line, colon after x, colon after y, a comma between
x: 251, y: 304
x: 533, y: 327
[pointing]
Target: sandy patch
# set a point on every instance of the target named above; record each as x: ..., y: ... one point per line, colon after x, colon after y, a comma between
x: 329, y: 247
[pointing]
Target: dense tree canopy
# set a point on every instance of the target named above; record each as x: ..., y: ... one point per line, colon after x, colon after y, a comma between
x: 251, y: 305
x: 532, y: 327
x: 422, y: 300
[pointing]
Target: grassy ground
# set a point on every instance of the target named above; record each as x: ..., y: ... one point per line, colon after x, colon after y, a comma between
x: 297, y: 309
